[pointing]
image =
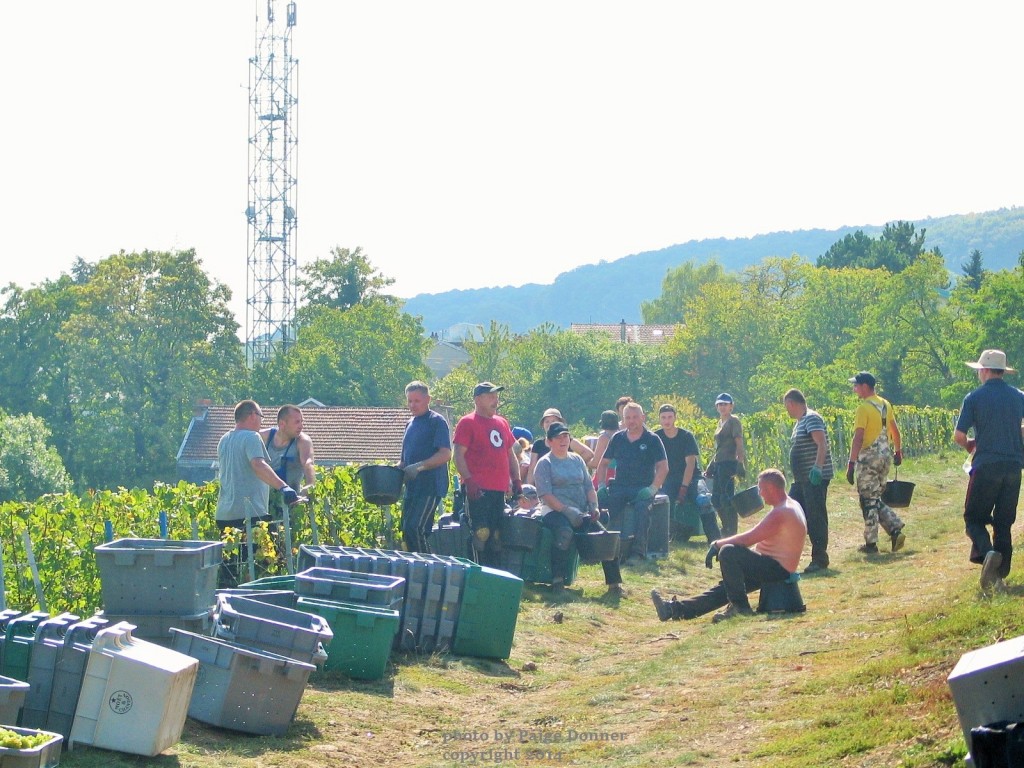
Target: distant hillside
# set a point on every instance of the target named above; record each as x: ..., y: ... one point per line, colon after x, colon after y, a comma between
x: 612, y: 291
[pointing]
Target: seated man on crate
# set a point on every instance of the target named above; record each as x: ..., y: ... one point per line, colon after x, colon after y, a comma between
x: 640, y: 470
x: 768, y: 552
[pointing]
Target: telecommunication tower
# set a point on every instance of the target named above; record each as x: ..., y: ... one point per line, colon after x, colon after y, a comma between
x: 271, y: 270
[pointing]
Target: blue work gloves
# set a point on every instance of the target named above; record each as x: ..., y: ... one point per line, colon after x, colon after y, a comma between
x: 645, y: 493
x: 815, y: 476
x: 289, y: 494
x: 412, y: 471
x: 712, y: 555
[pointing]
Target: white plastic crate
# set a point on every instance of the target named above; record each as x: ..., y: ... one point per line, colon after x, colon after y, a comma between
x: 988, y: 685
x: 134, y: 696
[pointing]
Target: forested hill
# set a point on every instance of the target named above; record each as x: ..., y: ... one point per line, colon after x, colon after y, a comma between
x: 612, y: 291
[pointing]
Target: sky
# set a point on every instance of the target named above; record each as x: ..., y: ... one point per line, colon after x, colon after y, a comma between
x: 474, y: 144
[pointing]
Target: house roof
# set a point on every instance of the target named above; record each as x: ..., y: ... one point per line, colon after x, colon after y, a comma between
x: 340, y: 435
x: 634, y: 334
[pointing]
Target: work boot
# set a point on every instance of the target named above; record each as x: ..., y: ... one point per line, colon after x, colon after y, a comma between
x: 990, y: 569
x: 616, y: 590
x: 869, y: 549
x: 664, y: 609
x: 898, y: 538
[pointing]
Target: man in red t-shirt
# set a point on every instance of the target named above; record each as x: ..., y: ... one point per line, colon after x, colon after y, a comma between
x: 488, y: 467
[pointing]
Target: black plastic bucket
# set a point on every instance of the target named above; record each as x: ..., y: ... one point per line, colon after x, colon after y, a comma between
x: 898, y: 493
x: 598, y: 546
x: 747, y: 502
x: 382, y: 484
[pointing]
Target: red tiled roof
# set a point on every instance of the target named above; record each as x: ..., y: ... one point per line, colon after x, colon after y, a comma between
x: 635, y: 334
x: 340, y: 435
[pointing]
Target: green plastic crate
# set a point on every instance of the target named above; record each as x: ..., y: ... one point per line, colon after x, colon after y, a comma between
x: 270, y: 582
x: 363, y: 635
x: 489, y: 611
x: 536, y: 566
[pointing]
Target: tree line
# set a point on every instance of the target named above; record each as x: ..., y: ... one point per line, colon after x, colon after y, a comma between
x: 102, y: 366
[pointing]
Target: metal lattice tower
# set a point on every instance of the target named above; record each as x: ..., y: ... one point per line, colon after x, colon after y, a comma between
x: 272, y: 297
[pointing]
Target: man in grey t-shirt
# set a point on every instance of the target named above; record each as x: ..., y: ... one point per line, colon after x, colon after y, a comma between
x: 246, y: 477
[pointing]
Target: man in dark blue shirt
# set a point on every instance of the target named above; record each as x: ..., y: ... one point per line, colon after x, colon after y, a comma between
x: 426, y: 450
x: 995, y: 411
x: 640, y: 470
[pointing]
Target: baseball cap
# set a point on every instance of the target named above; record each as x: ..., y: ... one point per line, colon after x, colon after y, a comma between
x: 667, y: 408
x: 556, y: 429
x: 609, y: 420
x: 725, y: 397
x: 518, y: 432
x: 863, y: 378
x: 530, y: 491
x: 484, y: 388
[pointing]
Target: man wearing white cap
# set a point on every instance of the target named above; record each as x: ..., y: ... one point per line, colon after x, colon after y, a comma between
x: 995, y: 411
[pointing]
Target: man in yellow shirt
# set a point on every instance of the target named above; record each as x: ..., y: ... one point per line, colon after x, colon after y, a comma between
x: 870, y: 454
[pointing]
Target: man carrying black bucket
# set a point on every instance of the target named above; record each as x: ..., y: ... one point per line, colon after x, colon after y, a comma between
x: 876, y: 445
x: 488, y: 467
x: 995, y: 411
x: 426, y: 451
x: 767, y: 553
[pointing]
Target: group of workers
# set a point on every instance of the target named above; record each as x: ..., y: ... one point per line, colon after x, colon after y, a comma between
x: 575, y: 488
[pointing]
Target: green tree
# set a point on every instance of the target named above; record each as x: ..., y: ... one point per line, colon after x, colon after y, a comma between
x: 342, y: 281
x: 973, y: 271
x: 362, y: 356
x: 998, y: 322
x: 150, y: 333
x: 896, y: 248
x: 29, y: 466
x: 679, y: 288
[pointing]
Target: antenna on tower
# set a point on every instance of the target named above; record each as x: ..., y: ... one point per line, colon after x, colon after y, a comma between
x: 271, y: 268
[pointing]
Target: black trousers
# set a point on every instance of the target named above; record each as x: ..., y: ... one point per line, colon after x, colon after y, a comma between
x: 992, y: 495
x: 813, y: 498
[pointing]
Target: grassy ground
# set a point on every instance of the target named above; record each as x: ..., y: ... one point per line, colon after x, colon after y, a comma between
x: 857, y: 680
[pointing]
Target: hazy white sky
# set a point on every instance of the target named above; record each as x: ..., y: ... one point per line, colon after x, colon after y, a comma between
x: 468, y: 144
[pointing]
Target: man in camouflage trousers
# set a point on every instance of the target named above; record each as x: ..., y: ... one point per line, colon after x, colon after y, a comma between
x: 874, y: 426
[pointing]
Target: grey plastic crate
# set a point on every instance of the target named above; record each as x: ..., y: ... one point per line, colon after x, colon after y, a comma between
x: 12, y: 698
x: 68, y: 673
x: 351, y: 587
x: 46, y: 648
x: 18, y: 638
x: 46, y: 755
x: 151, y: 576
x: 286, y: 632
x: 244, y: 689
x: 156, y: 627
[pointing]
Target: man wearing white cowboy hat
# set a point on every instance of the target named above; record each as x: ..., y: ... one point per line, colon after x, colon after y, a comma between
x: 995, y: 411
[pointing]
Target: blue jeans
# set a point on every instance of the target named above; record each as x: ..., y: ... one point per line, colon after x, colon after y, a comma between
x: 992, y: 495
x: 743, y: 571
x: 632, y: 516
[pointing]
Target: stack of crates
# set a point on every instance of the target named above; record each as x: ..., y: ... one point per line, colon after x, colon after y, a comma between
x: 446, y: 606
x: 134, y: 695
x: 241, y: 688
x: 68, y: 673
x: 19, y: 634
x: 157, y: 584
x: 42, y: 664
